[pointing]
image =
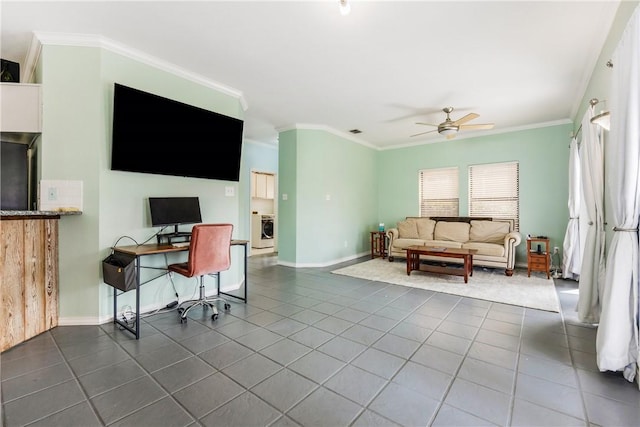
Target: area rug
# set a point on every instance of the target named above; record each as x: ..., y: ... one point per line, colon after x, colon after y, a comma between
x: 487, y: 284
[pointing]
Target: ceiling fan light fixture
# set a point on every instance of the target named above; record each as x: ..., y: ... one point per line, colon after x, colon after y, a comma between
x: 448, y: 130
x: 345, y: 7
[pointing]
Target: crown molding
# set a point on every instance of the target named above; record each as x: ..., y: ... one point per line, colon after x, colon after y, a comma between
x: 93, y: 40
x: 31, y: 60
x: 341, y: 134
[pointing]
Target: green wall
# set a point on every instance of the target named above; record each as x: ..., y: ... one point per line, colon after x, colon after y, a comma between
x: 331, y: 187
x: 288, y: 189
x: 77, y: 111
x: 73, y: 136
x: 542, y: 155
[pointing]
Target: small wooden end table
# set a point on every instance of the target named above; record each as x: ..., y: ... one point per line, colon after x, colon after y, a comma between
x: 538, y: 261
x: 378, y: 244
x: 413, y: 260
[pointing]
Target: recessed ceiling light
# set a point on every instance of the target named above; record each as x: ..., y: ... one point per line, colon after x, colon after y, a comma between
x: 345, y: 7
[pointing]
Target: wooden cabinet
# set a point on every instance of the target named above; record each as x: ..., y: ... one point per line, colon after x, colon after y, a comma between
x: 262, y: 185
x: 29, y: 288
x: 538, y: 251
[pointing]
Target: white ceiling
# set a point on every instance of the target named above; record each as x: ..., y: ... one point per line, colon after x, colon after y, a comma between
x: 380, y: 69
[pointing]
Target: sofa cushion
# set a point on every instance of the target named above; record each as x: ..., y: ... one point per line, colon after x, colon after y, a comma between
x: 490, y: 249
x: 488, y: 231
x: 455, y: 231
x: 425, y: 228
x: 405, y: 243
x: 408, y: 229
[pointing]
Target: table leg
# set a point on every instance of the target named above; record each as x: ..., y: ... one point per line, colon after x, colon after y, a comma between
x: 466, y: 268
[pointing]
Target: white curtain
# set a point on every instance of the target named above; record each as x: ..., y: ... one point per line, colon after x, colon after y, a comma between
x: 571, y: 245
x: 592, y: 268
x: 617, y: 337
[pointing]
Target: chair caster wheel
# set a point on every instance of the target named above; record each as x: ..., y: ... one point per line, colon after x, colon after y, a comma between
x: 227, y: 306
x: 183, y: 320
x: 214, y: 316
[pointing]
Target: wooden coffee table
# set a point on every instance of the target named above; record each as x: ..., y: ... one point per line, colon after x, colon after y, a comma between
x: 413, y: 260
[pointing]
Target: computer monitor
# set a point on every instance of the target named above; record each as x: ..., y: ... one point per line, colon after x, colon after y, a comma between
x: 174, y: 211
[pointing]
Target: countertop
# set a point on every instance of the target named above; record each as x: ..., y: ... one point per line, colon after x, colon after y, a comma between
x: 36, y: 214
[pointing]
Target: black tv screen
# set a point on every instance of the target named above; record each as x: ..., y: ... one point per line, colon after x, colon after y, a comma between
x: 153, y: 134
x: 174, y: 211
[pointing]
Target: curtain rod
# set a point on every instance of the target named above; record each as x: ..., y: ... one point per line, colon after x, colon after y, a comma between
x: 592, y: 102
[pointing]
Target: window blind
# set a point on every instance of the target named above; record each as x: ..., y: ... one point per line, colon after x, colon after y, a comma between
x: 439, y: 192
x: 494, y: 191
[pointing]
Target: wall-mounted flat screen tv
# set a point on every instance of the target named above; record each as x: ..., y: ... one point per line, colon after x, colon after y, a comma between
x: 153, y: 134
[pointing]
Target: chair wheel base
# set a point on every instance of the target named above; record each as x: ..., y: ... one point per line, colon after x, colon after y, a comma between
x: 183, y: 320
x: 214, y: 316
x: 227, y: 306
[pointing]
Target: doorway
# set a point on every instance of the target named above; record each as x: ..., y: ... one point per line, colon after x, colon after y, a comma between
x: 263, y: 213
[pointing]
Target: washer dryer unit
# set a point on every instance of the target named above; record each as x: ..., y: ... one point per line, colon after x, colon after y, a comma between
x: 262, y: 231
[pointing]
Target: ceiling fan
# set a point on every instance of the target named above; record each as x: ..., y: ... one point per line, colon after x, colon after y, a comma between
x: 449, y: 128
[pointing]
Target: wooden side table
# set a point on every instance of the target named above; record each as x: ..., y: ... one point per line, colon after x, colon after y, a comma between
x: 378, y: 244
x: 538, y: 260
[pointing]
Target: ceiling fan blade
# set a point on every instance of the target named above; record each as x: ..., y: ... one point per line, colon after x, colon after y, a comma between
x: 478, y: 126
x: 426, y: 124
x: 466, y: 118
x: 422, y: 133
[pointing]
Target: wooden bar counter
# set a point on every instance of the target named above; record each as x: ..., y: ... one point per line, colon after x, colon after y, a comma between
x: 29, y: 286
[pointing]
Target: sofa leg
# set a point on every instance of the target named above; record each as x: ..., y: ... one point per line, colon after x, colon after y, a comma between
x: 508, y: 272
x: 390, y: 258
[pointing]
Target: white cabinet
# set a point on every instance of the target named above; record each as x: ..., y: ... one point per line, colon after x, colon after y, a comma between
x: 21, y: 111
x: 270, y: 184
x: 21, y: 107
x: 262, y: 185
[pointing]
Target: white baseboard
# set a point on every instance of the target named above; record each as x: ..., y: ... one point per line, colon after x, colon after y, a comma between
x: 325, y: 264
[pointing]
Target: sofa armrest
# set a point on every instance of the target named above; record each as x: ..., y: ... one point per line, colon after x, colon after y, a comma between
x: 511, y: 240
x: 392, y: 234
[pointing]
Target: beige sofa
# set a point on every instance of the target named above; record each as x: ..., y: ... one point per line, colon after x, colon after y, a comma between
x: 494, y: 239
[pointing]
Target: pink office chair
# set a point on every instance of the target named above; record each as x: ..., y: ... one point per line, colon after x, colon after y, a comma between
x: 209, y: 254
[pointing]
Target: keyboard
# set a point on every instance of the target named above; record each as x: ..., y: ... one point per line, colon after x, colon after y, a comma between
x: 180, y: 244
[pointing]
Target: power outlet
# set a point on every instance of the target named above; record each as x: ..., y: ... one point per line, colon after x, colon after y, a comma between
x: 556, y: 249
x: 52, y: 193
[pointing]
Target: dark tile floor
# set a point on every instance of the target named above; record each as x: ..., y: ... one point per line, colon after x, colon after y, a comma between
x: 316, y: 349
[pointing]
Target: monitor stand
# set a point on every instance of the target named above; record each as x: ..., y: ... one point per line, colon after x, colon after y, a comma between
x: 176, y: 236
